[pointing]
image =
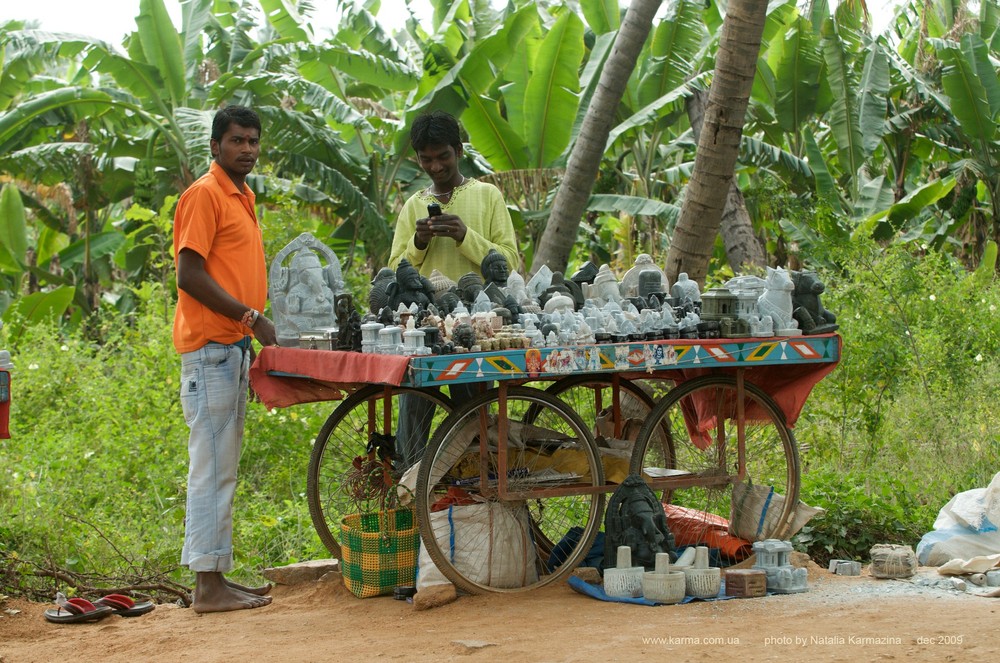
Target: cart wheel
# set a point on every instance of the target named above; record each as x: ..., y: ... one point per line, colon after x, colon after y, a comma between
x: 570, y: 513
x: 591, y: 397
x: 345, y: 436
x: 772, y: 459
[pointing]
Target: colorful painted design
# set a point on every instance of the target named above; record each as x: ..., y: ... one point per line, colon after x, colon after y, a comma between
x: 503, y: 364
x: 760, y: 352
x: 649, y: 357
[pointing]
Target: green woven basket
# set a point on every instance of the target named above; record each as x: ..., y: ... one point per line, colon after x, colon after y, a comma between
x: 379, y: 551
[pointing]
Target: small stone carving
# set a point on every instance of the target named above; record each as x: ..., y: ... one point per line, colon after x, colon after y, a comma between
x: 776, y: 302
x: 377, y: 297
x: 629, y: 286
x: 348, y: 324
x: 586, y: 274
x: 469, y: 287
x: 409, y: 287
x: 302, y: 293
x: 440, y: 283
x: 539, y: 282
x: 782, y: 577
x: 650, y: 284
x: 807, y: 309
x: 495, y: 268
x: 605, y: 288
x: 463, y: 336
x: 686, y: 288
x: 447, y: 301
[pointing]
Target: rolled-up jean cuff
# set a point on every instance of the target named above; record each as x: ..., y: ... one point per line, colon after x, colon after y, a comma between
x: 211, y: 563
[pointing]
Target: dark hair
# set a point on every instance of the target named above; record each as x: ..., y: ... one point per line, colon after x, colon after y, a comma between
x: 241, y: 115
x: 435, y: 128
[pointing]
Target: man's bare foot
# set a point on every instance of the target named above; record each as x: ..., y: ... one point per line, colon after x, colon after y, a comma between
x: 256, y: 591
x: 212, y: 593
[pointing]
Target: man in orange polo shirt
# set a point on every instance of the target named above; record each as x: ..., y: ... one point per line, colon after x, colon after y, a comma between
x: 221, y: 287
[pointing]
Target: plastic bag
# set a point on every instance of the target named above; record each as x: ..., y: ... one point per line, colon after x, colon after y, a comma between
x: 965, y: 527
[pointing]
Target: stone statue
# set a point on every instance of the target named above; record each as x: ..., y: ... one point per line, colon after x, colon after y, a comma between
x: 516, y: 287
x: 557, y: 286
x: 605, y: 288
x: 469, y: 287
x: 635, y: 518
x: 685, y: 287
x: 495, y: 269
x: 629, y: 285
x: 302, y: 293
x: 409, y: 287
x: 806, y: 307
x: 447, y: 301
x: 377, y: 297
x: 586, y: 274
x: 649, y: 287
x: 776, y: 302
x: 539, y: 282
x: 440, y: 282
x: 463, y: 336
x: 348, y: 324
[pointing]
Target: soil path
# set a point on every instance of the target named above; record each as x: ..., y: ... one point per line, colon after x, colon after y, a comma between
x: 838, y: 619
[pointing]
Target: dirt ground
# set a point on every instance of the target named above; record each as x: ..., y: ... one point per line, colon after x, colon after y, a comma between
x: 838, y: 619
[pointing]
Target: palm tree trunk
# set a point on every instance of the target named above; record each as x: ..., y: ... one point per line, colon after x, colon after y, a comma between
x: 719, y: 144
x: 742, y: 246
x: 570, y: 202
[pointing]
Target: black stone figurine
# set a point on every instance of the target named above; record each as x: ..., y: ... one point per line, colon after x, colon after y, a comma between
x: 635, y: 518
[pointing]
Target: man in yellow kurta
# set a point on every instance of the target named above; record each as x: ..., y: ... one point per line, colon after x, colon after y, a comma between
x: 473, y: 219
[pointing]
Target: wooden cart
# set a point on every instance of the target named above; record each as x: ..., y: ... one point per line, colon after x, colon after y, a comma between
x: 707, y: 423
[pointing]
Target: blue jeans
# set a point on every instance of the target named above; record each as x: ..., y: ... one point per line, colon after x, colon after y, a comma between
x: 214, y: 382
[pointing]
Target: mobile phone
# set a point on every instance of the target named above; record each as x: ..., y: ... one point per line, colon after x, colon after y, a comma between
x: 433, y: 210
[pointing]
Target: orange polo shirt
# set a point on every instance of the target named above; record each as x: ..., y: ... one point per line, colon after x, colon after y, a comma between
x: 218, y: 221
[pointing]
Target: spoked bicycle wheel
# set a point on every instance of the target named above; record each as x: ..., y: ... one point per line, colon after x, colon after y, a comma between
x: 700, y: 476
x: 483, y: 541
x: 365, y: 425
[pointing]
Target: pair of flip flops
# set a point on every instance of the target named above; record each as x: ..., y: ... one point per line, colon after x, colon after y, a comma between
x: 81, y: 610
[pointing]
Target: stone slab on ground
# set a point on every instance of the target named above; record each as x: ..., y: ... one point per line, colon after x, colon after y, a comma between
x: 295, y: 574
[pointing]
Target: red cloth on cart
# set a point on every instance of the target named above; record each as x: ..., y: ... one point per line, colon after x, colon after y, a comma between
x: 788, y: 386
x: 319, y: 375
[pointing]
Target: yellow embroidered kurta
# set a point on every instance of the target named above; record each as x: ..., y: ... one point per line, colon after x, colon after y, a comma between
x: 481, y: 207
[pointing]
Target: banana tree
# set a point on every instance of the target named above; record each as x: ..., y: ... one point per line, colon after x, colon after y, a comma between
x: 149, y: 111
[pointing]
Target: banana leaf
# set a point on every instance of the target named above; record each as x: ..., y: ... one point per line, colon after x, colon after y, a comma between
x: 633, y: 205
x: 13, y: 231
x: 36, y: 308
x: 603, y: 16
x: 551, y: 97
x: 843, y: 115
x: 874, y: 90
x: 284, y: 17
x: 49, y: 163
x: 162, y: 46
x: 797, y: 76
x: 99, y: 245
x: 675, y: 44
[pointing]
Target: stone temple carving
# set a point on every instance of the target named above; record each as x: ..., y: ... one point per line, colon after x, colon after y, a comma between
x: 304, y: 291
